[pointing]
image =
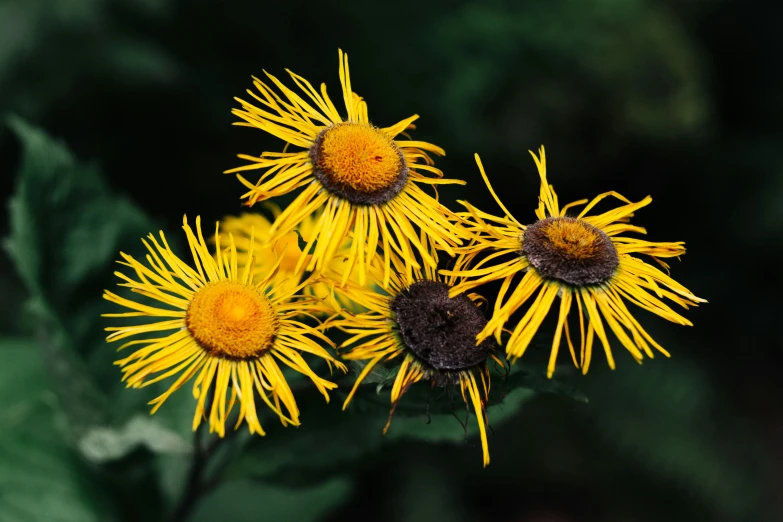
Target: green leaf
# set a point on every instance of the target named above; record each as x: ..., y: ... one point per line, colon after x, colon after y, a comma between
x: 380, y: 375
x: 40, y: 477
x: 444, y: 427
x: 102, y: 444
x: 288, y: 450
x: 420, y: 415
x: 66, y: 228
x: 539, y: 382
x: 49, y: 158
x: 250, y: 501
x: 421, y: 397
x: 678, y: 438
x: 82, y: 403
x: 172, y: 474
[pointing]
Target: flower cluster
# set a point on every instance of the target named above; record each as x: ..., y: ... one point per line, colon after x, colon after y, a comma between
x: 357, y: 251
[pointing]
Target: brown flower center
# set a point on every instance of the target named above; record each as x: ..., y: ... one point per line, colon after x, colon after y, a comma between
x: 570, y: 250
x: 439, y: 330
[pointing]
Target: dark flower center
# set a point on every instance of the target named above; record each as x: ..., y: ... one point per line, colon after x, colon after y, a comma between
x: 570, y: 250
x: 439, y: 330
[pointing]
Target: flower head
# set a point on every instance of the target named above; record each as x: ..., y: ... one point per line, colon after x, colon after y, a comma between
x: 583, y: 259
x: 366, y: 180
x: 219, y: 323
x: 432, y: 333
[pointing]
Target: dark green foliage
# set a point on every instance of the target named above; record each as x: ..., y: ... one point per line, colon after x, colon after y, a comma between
x: 679, y: 100
x: 65, y: 224
x: 247, y: 500
x: 285, y: 455
x: 65, y: 228
x: 40, y: 477
x: 665, y: 417
x: 627, y: 62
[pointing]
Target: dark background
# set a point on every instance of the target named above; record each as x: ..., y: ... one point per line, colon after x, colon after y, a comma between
x: 676, y: 99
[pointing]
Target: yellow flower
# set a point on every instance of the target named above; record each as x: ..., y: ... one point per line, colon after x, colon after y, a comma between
x: 583, y: 259
x: 433, y: 334
x: 253, y: 226
x: 250, y: 225
x: 226, y: 328
x: 365, y: 180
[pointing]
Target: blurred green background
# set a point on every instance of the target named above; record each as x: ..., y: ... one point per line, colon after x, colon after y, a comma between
x: 676, y: 99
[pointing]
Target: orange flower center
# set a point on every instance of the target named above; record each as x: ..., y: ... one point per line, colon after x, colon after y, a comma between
x: 573, y: 238
x: 359, y: 163
x: 231, y: 320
